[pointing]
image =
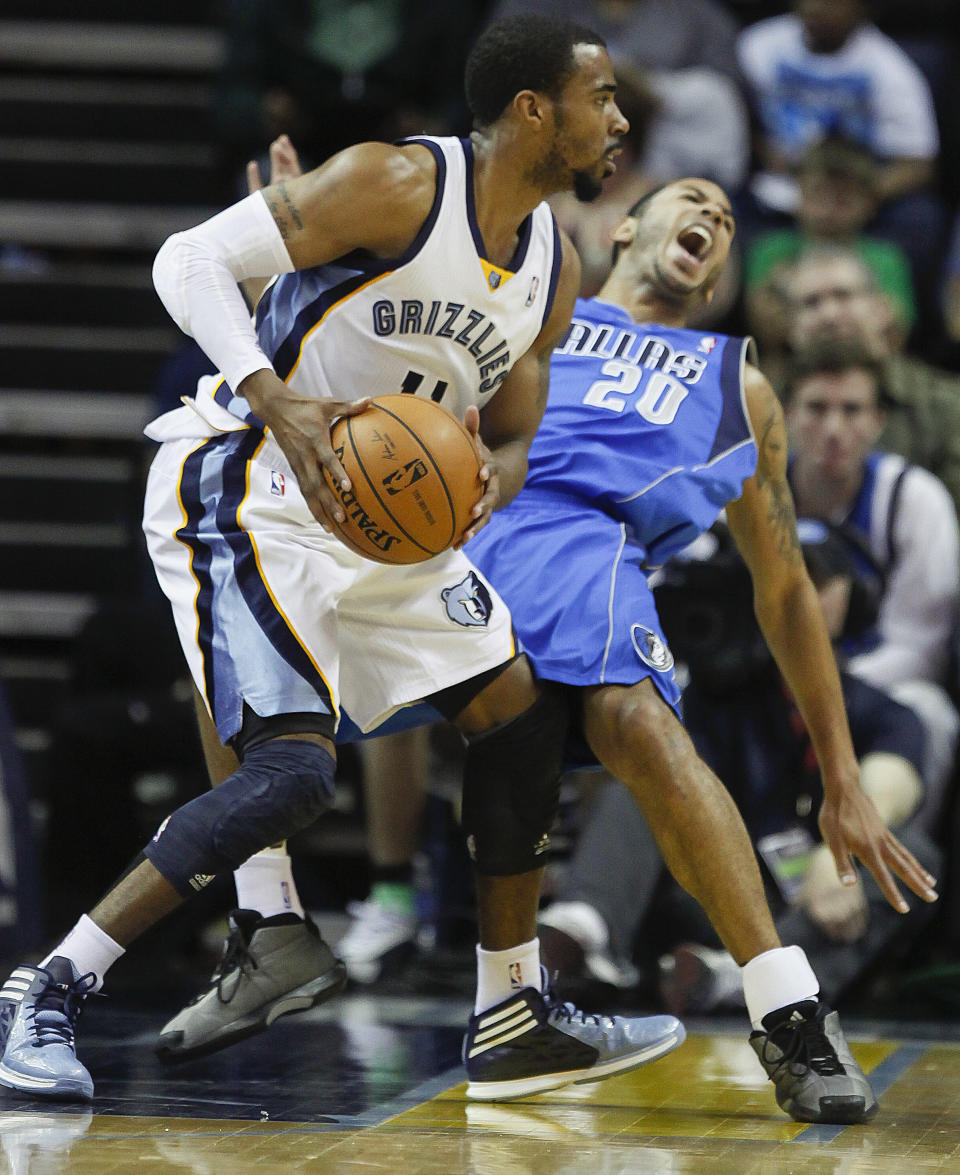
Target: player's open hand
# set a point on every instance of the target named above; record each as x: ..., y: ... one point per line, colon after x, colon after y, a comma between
x: 851, y: 827
x: 301, y: 427
x: 487, y: 502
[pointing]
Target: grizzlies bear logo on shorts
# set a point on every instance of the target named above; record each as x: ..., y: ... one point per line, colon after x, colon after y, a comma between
x: 468, y: 602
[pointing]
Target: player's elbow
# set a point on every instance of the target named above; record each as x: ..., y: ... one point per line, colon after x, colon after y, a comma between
x: 169, y: 267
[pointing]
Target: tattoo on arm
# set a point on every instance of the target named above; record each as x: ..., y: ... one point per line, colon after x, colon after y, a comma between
x: 284, y: 210
x: 772, y: 479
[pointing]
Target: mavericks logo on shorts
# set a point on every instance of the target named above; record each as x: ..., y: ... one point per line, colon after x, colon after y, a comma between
x: 650, y: 648
x: 468, y: 602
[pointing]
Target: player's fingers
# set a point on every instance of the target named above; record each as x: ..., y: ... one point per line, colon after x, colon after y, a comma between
x: 471, y: 420
x: 884, y: 879
x: 254, y: 182
x: 842, y: 859
x: 335, y: 471
x: 320, y: 499
x: 910, y: 871
x: 349, y: 407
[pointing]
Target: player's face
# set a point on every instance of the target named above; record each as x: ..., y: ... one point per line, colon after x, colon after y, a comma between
x: 588, y: 125
x: 832, y: 301
x: 834, y: 420
x: 687, y: 229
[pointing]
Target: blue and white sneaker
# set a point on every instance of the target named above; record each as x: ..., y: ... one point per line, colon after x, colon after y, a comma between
x: 39, y: 1009
x: 532, y: 1042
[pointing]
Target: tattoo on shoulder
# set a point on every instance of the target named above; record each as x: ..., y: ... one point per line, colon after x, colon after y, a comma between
x: 284, y: 211
x: 772, y: 479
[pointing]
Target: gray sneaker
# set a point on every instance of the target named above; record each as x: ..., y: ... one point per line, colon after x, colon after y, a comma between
x: 531, y: 1042
x: 807, y: 1058
x: 269, y: 967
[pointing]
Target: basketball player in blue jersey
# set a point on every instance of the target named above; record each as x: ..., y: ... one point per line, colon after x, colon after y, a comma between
x: 652, y: 429
x: 435, y: 267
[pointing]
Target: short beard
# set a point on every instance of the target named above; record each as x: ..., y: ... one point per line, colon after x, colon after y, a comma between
x: 585, y: 187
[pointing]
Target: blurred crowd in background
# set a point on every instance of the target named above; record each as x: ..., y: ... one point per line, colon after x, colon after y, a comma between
x: 834, y: 126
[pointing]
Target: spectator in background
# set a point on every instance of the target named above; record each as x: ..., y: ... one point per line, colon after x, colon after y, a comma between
x: 951, y: 286
x: 838, y: 197
x: 833, y: 298
x: 334, y: 72
x: 616, y: 906
x: 827, y: 69
x: 907, y: 527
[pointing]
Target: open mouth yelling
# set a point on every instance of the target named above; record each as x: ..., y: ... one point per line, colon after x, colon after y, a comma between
x: 692, y: 247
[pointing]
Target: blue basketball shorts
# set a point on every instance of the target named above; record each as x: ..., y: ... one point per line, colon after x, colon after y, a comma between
x: 577, y: 592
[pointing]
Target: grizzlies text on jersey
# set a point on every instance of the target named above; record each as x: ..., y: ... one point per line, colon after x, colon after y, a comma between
x: 363, y: 326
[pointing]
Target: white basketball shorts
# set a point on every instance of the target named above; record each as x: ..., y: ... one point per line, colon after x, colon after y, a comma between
x: 273, y: 611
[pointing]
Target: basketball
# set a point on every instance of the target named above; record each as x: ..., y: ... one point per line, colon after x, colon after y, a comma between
x: 414, y: 473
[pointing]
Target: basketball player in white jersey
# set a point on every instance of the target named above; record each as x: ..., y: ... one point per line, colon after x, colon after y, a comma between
x: 431, y: 267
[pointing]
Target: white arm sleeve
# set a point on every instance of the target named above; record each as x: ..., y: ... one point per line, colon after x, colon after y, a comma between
x: 196, y: 274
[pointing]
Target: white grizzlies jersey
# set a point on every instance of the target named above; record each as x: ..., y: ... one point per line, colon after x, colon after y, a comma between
x: 440, y: 321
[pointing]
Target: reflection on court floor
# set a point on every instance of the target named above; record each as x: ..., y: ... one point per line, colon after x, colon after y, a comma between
x: 374, y: 1085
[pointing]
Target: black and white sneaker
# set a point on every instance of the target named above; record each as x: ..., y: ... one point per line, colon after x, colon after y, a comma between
x: 807, y: 1058
x: 532, y: 1042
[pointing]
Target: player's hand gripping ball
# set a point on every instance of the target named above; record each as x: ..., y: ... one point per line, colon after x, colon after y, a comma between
x: 414, y: 474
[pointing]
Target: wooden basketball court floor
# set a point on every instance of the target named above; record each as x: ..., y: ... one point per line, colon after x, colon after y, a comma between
x: 371, y: 1084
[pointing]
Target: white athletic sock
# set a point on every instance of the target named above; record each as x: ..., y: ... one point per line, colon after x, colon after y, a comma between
x: 775, y: 979
x: 265, y: 883
x: 89, y: 949
x: 501, y: 974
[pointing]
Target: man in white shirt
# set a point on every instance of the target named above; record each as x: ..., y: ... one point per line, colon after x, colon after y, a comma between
x: 907, y: 525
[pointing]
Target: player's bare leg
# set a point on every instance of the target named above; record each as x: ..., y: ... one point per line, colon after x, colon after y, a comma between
x: 696, y: 824
x: 698, y: 829
x: 141, y: 898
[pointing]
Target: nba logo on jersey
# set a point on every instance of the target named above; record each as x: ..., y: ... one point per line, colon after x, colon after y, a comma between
x: 276, y: 483
x: 534, y: 286
x: 516, y: 975
x: 707, y: 343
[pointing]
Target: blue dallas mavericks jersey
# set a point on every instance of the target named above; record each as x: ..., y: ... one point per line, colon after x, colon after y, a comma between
x: 644, y: 440
x: 648, y: 423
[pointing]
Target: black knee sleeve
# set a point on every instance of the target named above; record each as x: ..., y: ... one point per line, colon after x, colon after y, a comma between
x: 280, y: 788
x: 511, y: 788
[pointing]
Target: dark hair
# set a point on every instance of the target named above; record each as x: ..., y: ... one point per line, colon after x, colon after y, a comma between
x: 834, y: 357
x: 521, y: 53
x: 635, y: 210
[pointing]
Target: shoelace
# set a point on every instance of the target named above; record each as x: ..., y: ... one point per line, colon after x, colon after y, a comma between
x: 805, y: 1044
x: 57, y: 1010
x: 236, y: 956
x: 559, y: 1010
